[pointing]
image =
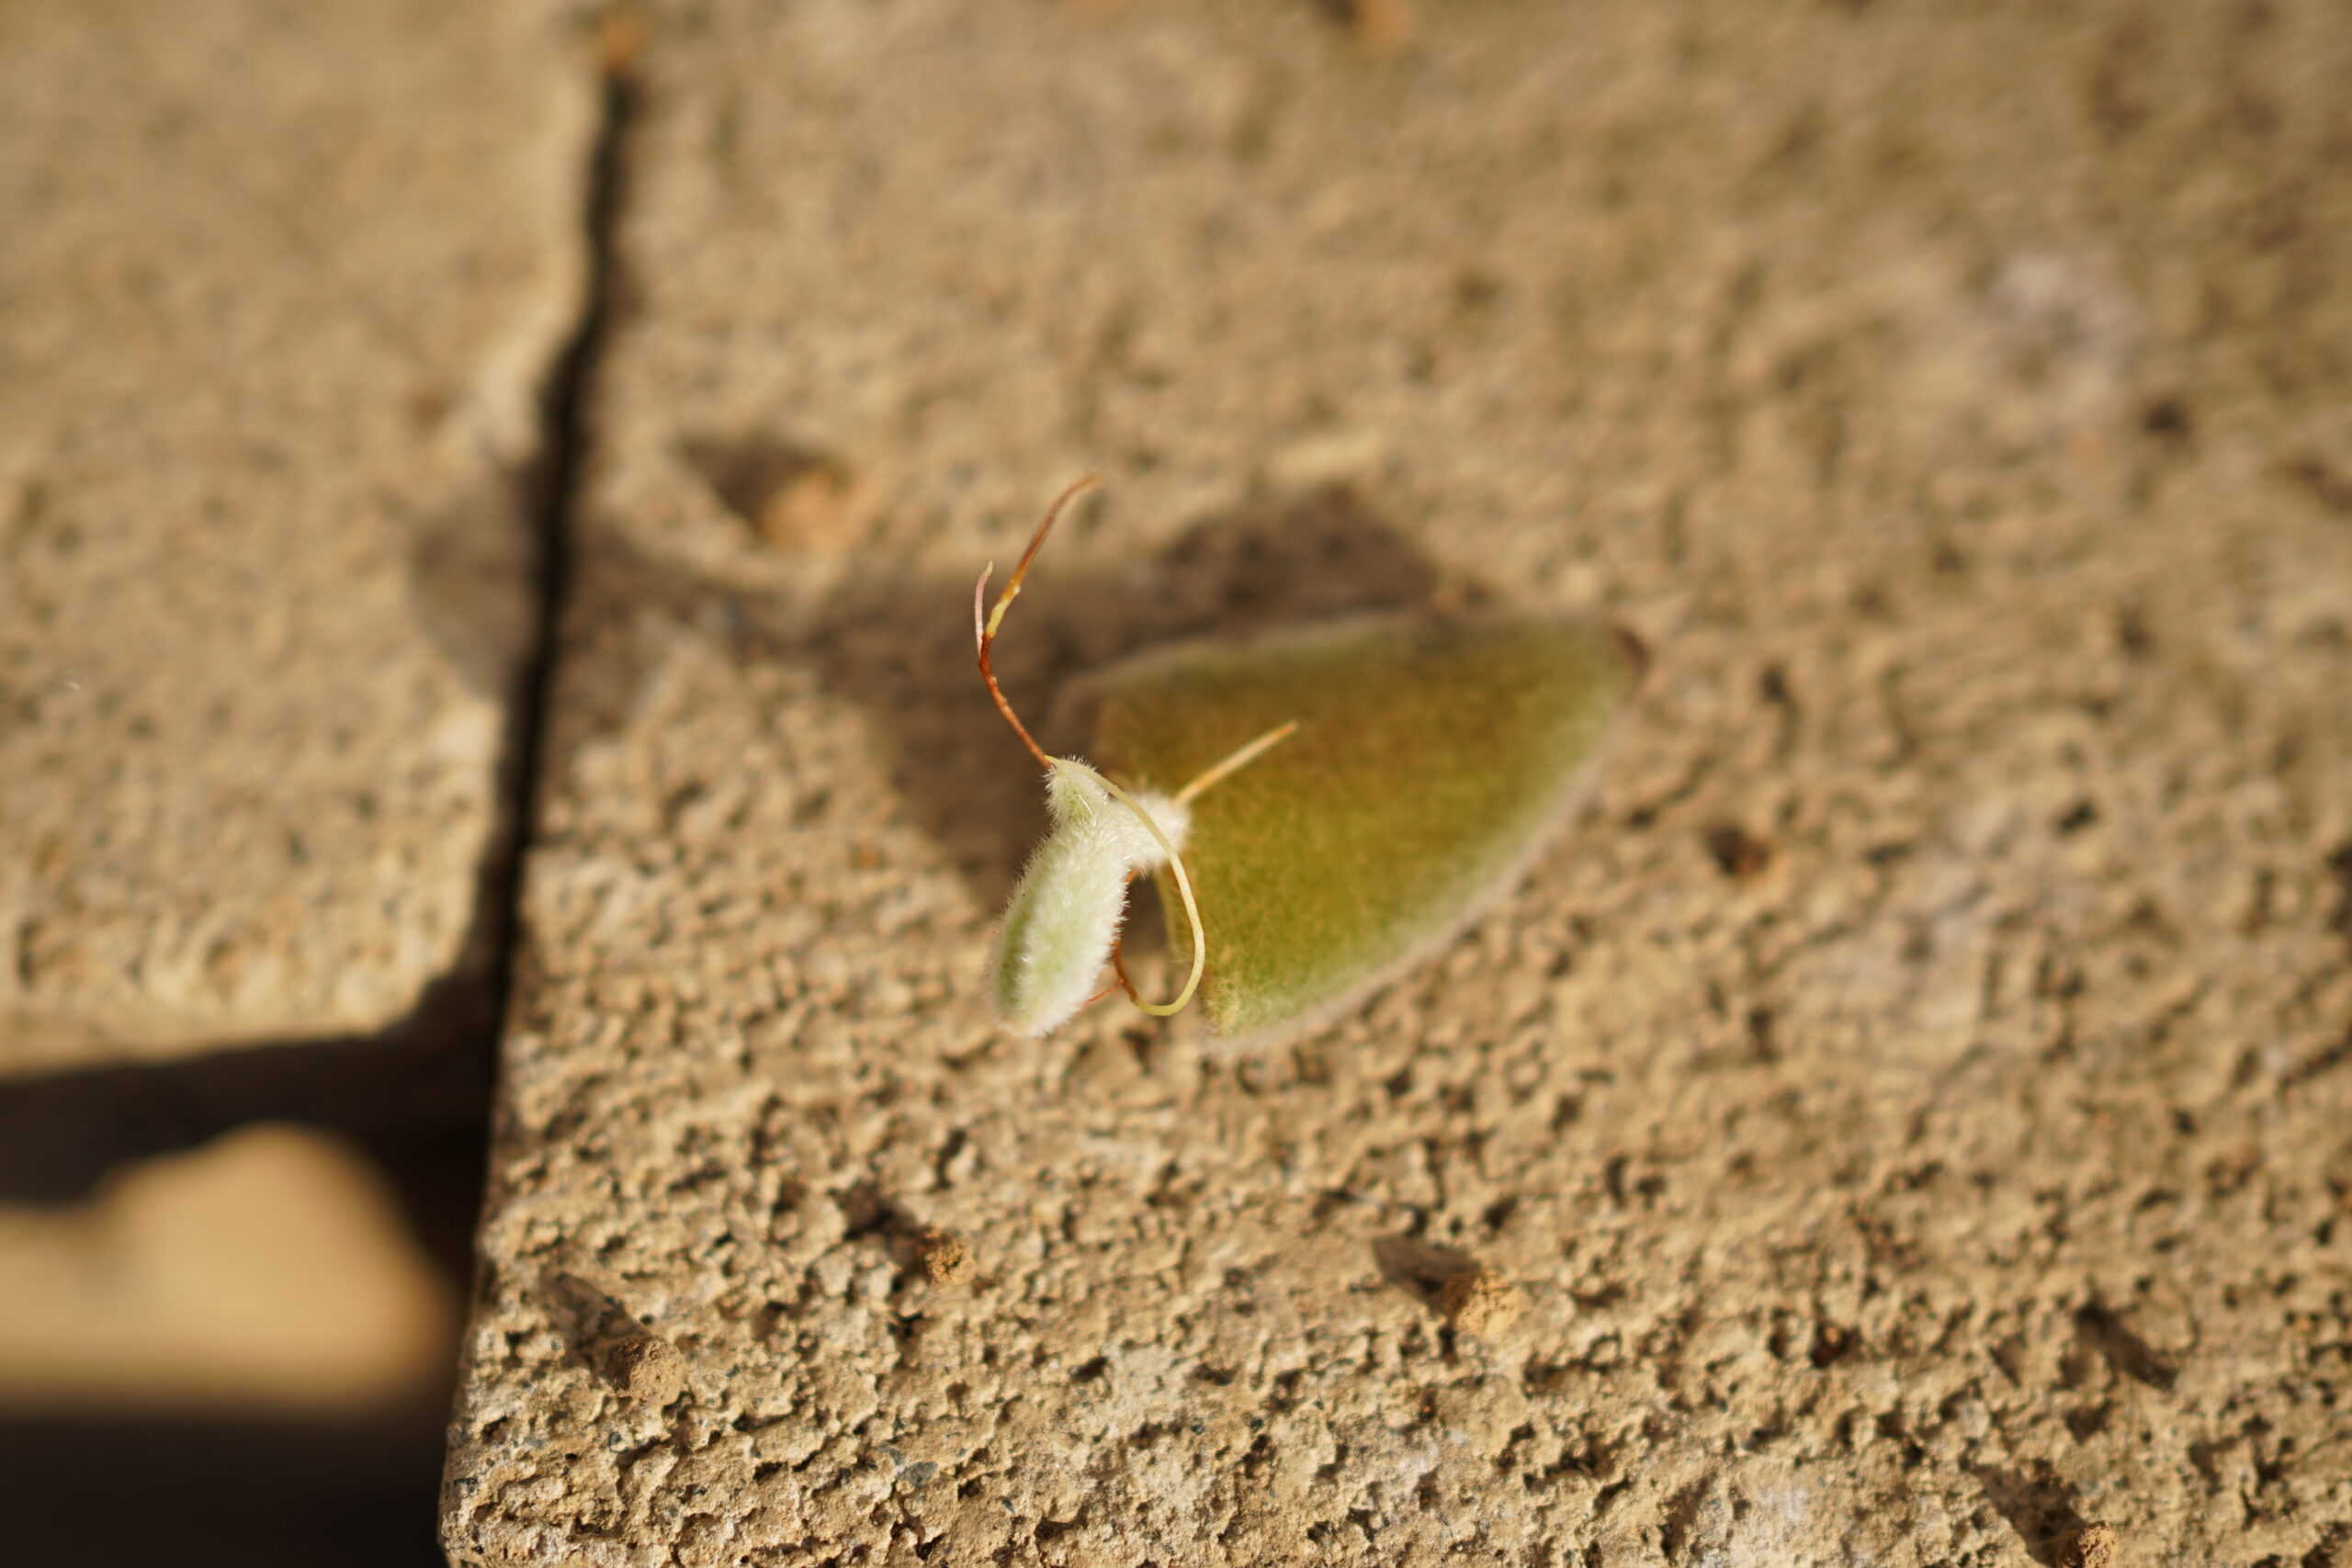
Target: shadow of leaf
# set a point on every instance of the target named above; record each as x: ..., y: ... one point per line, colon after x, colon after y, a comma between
x: 900, y: 646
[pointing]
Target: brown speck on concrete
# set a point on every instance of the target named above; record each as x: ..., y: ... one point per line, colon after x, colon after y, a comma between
x: 646, y: 1367
x: 1480, y: 1302
x: 793, y: 495
x: 1382, y: 26
x: 945, y: 1259
x: 1738, y: 853
x: 2097, y: 1547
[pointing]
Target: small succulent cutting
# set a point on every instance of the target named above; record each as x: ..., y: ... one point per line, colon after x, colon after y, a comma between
x: 1062, y: 925
x: 1423, y: 760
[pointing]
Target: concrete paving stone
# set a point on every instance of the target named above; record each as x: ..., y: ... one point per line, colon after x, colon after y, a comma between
x: 279, y: 289
x: 1909, y: 1111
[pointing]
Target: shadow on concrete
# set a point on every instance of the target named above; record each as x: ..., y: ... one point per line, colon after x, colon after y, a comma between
x: 900, y: 647
x: 415, y: 1097
x: 225, y: 1493
x: 2040, y: 1509
x: 355, y: 1491
x: 117, y: 1489
x: 1419, y: 1268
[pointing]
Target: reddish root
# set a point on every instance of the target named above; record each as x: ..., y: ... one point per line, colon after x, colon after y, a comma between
x: 985, y: 626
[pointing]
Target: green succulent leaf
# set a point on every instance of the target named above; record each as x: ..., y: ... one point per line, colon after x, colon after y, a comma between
x: 1430, y: 759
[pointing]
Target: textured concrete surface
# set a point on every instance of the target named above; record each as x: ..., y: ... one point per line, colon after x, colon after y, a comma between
x: 276, y: 294
x: 1907, y: 1120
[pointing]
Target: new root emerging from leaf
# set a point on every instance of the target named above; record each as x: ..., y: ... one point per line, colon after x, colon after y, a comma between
x: 1062, y: 925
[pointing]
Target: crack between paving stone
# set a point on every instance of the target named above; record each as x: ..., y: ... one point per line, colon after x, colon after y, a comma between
x: 550, y: 490
x: 554, y: 491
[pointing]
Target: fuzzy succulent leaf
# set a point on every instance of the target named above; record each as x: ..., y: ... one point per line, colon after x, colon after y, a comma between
x: 1431, y: 757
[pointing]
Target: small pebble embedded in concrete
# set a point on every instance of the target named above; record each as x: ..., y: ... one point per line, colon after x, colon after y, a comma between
x: 2096, y: 1548
x: 1480, y: 1302
x: 946, y: 1259
x: 646, y: 1367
